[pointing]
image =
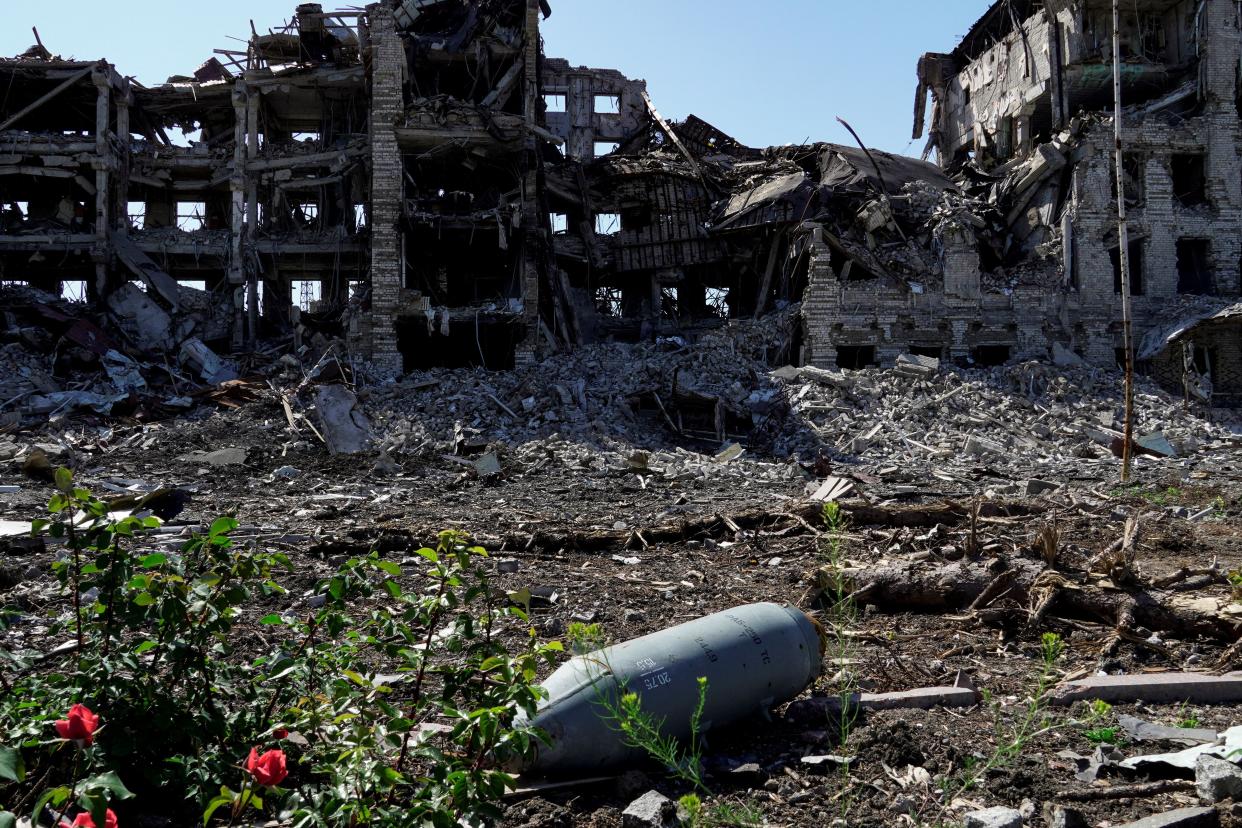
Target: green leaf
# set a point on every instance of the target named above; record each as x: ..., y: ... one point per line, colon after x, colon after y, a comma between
x: 394, y: 589
x: 222, y: 526
x: 216, y: 804
x: 55, y: 796
x: 64, y: 479
x: 429, y: 554
x: 152, y: 561
x: 391, y: 568
x: 272, y: 619
x: 8, y: 819
x: 144, y: 599
x: 144, y: 647
x: 57, y: 503
x: 12, y: 767
x: 107, y: 781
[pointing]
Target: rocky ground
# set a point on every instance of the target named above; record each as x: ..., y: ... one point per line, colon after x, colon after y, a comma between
x: 641, y: 486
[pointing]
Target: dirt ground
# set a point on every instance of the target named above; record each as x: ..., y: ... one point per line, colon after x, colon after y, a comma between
x: 638, y: 552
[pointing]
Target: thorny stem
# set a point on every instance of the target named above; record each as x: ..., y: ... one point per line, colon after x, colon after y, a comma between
x: 77, y: 565
x: 432, y: 620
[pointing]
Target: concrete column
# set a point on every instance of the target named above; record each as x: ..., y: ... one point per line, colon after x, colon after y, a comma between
x: 104, y: 164
x: 237, y: 221
x: 387, y: 187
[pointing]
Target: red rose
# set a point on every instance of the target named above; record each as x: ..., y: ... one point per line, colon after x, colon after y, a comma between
x: 268, y: 769
x: 280, y: 733
x: 84, y: 820
x: 79, y: 726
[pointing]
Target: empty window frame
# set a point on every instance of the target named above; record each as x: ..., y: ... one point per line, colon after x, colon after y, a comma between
x: 305, y: 137
x: 607, y: 224
x: 990, y: 356
x: 1194, y: 267
x: 555, y: 102
x: 603, y: 148
x: 1136, y: 268
x: 560, y: 223
x: 1189, y: 179
x: 717, y: 301
x: 74, y: 291
x: 856, y: 357
x: 305, y: 293
x: 609, y: 301
x: 607, y: 104
x: 191, y: 215
x: 137, y: 213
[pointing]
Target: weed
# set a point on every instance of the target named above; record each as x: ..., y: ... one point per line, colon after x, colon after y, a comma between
x: 1098, y: 710
x: 1156, y: 497
x: 840, y: 617
x: 1102, y: 735
x: 1235, y: 581
x: 1011, y: 741
x: 1186, y: 718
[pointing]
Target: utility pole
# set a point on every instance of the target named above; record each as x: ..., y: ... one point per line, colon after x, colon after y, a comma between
x: 1123, y: 234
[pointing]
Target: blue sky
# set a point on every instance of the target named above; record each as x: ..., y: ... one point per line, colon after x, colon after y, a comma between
x: 768, y: 73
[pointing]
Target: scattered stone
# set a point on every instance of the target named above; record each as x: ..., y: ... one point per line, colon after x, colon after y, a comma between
x: 1181, y: 818
x: 1035, y: 488
x: 487, y: 466
x: 1154, y: 688
x: 287, y: 473
x: 1217, y: 780
x: 1057, y: 816
x: 651, y: 810
x: 994, y: 818
x: 508, y: 566
x: 219, y: 457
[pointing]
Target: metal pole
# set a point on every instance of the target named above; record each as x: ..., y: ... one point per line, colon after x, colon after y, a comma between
x: 1123, y: 231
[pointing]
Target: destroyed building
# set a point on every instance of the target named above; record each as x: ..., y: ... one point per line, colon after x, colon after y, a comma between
x: 1022, y: 109
x: 419, y: 180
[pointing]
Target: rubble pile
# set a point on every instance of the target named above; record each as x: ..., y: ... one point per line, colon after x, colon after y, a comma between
x: 915, y: 428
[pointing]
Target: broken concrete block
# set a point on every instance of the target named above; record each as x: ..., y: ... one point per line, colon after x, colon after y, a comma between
x: 1035, y: 488
x: 204, y: 362
x: 346, y: 428
x: 1063, y: 357
x: 219, y: 457
x: 123, y: 372
x: 1154, y: 688
x: 1217, y: 780
x: 487, y: 466
x: 1157, y: 444
x: 144, y: 322
x: 1058, y: 817
x: 994, y: 818
x: 979, y: 446
x: 913, y: 365
x: 651, y: 810
x: 1181, y: 818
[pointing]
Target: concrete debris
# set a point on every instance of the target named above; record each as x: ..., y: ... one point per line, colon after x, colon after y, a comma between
x: 346, y: 428
x: 1217, y: 780
x: 123, y: 372
x: 204, y: 362
x: 1142, y: 731
x: 1153, y: 688
x: 1227, y: 746
x: 994, y: 818
x: 1181, y: 818
x: 651, y: 810
x: 219, y: 457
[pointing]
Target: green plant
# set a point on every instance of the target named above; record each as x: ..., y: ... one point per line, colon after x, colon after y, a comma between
x: 1012, y: 740
x: 1101, y: 735
x: 386, y: 711
x: 1098, y: 710
x: 1235, y: 581
x: 840, y: 617
x: 1185, y: 718
x: 644, y: 731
